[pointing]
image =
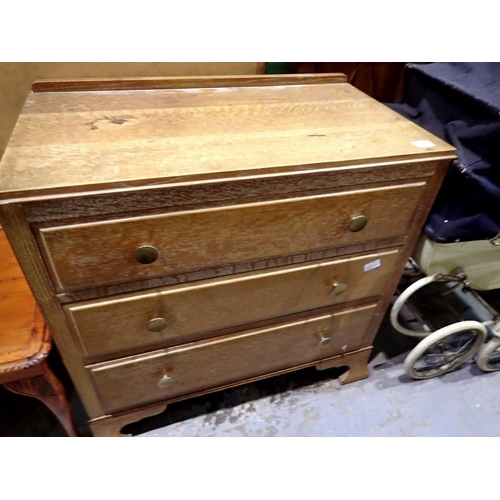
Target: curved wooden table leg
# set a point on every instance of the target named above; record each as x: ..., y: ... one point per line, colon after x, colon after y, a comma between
x: 48, y: 389
x: 110, y: 426
x: 357, y: 362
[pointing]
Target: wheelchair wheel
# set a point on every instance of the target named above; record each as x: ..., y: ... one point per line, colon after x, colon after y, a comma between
x: 488, y: 356
x: 445, y: 349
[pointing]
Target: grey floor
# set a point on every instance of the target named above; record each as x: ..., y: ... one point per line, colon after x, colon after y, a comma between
x: 312, y: 403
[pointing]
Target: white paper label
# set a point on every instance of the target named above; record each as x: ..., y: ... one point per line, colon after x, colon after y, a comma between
x: 423, y: 144
x: 372, y: 265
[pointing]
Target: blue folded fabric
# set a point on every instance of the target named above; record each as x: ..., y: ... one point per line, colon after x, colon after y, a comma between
x: 460, y: 103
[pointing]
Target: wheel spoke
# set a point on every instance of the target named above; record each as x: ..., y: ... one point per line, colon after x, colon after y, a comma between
x: 434, y: 360
x: 452, y: 356
x: 429, y: 362
x: 446, y: 353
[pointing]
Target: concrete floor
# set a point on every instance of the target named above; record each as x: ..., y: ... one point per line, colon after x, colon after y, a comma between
x: 311, y: 403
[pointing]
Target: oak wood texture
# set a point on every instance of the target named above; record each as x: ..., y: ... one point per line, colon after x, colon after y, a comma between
x: 412, y: 235
x: 111, y: 426
x: 247, y: 191
x: 180, y: 82
x: 82, y: 141
x: 229, y: 270
x: 207, y: 364
x: 258, y: 187
x: 107, y: 326
x: 356, y: 362
x: 16, y: 78
x: 381, y: 80
x: 86, y: 255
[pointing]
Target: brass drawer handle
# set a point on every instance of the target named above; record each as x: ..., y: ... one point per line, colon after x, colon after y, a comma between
x: 146, y: 254
x: 157, y: 325
x: 358, y: 223
x: 338, y: 288
x: 165, y: 381
x: 324, y: 341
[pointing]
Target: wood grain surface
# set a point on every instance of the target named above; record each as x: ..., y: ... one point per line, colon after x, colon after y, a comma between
x: 24, y: 339
x: 81, y: 141
x: 413, y: 231
x: 182, y: 82
x: 119, y: 323
x: 256, y: 265
x: 16, y: 78
x: 202, y: 365
x: 101, y: 205
x: 88, y: 255
x: 110, y: 426
x: 247, y: 188
x: 356, y: 362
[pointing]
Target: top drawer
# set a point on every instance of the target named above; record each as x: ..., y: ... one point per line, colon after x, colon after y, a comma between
x: 108, y: 252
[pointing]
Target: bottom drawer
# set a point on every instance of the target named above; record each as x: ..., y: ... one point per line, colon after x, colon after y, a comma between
x: 195, y: 367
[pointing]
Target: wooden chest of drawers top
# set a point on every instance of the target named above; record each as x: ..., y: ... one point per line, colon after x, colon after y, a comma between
x: 145, y: 132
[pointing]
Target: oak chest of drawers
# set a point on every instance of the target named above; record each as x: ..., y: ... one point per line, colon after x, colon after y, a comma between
x: 187, y: 235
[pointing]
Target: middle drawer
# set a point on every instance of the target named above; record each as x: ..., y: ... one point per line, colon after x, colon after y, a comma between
x: 183, y: 313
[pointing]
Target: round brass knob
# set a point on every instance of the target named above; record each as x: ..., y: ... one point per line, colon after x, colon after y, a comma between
x: 165, y: 381
x: 157, y: 325
x: 146, y: 254
x: 324, y: 341
x: 358, y: 223
x: 338, y: 288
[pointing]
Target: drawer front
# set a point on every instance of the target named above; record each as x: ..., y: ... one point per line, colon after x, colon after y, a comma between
x: 93, y: 254
x: 183, y: 313
x: 200, y: 366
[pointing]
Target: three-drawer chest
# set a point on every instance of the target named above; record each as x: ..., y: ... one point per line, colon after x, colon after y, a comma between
x: 187, y: 235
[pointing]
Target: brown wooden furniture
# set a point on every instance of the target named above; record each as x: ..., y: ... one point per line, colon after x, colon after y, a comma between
x: 25, y: 342
x: 183, y: 236
x: 381, y: 80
